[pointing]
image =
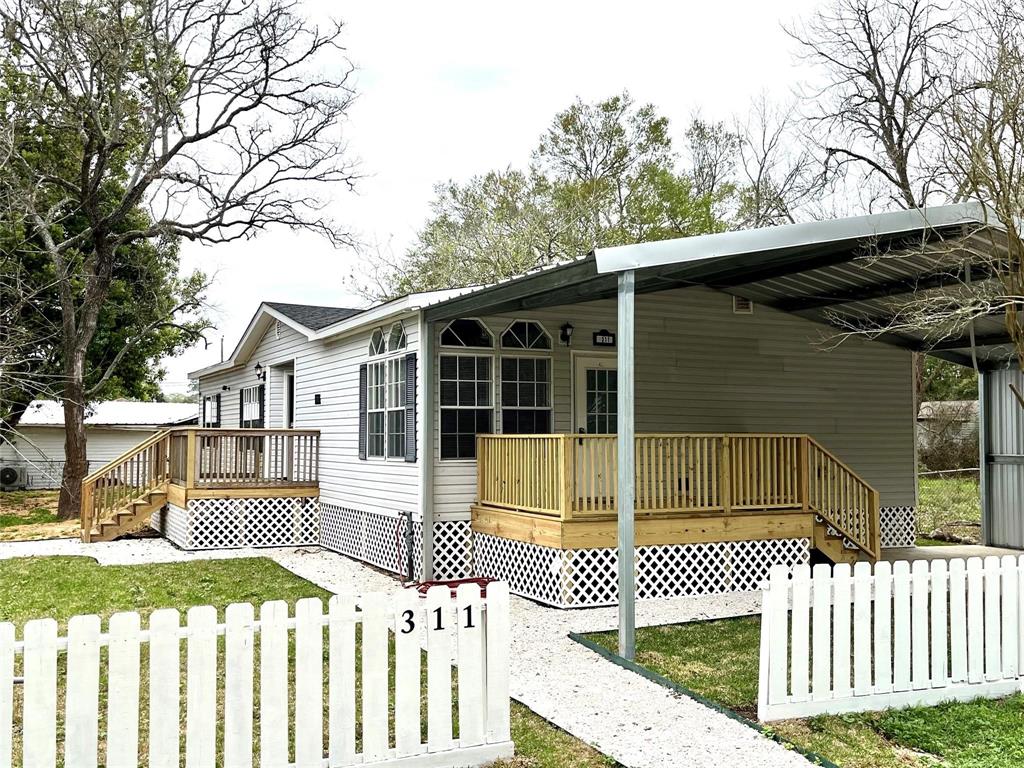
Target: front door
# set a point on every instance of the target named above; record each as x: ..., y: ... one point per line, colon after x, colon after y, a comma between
x: 595, y: 394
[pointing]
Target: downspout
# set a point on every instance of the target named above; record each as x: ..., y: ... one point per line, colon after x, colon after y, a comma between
x: 426, y: 450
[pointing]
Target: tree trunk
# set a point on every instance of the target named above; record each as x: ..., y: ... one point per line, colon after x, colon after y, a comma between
x: 76, y: 466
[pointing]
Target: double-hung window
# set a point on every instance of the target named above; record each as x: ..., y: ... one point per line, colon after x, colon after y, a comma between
x: 387, y: 401
x: 211, y: 410
x: 251, y: 407
x: 467, y: 388
x: 525, y: 380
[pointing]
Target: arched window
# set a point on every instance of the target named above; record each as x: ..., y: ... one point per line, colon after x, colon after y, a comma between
x: 377, y: 342
x: 525, y: 334
x: 466, y: 332
x: 396, y: 338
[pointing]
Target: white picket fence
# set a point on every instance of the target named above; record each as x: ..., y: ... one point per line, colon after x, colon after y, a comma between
x: 227, y: 695
x: 899, y: 635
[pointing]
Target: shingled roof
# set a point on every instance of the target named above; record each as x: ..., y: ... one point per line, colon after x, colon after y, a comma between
x: 313, y: 317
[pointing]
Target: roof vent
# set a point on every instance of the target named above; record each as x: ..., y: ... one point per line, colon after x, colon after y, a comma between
x: 277, y: 330
x: 742, y: 306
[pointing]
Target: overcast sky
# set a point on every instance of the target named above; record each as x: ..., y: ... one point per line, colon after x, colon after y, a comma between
x: 450, y: 89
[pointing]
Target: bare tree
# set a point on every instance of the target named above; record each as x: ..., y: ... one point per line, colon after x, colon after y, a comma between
x: 886, y: 79
x: 216, y: 118
x: 780, y: 176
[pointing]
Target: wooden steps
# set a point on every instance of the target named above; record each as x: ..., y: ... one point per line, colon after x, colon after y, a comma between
x: 133, y: 516
x: 831, y: 543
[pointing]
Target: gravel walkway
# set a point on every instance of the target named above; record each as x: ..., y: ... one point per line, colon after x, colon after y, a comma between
x: 635, y: 721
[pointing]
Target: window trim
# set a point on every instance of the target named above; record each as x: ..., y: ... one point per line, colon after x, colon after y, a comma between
x: 383, y: 350
x: 486, y: 327
x: 466, y: 352
x: 370, y: 365
x: 527, y: 354
x: 203, y: 411
x: 527, y: 350
x: 259, y: 403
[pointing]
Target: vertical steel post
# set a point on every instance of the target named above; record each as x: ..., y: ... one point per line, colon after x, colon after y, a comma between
x: 425, y: 454
x: 983, y: 485
x: 627, y: 457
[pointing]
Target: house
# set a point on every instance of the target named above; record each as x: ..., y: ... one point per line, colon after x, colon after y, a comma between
x: 34, y: 455
x: 478, y: 430
x: 944, y: 420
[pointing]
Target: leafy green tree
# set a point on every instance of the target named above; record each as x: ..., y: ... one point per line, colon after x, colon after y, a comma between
x: 602, y: 174
x: 129, y: 125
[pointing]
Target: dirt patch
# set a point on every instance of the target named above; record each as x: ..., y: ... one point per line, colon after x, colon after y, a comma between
x: 31, y: 515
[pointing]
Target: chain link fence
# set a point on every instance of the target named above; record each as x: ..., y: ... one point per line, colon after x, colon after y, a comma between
x: 949, y: 505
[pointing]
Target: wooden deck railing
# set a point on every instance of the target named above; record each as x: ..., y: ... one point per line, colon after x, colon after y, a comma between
x: 575, y: 477
x: 112, y: 486
x: 201, y: 459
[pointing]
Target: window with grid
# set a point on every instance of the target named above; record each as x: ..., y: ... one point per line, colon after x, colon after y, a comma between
x: 602, y: 401
x: 252, y: 407
x: 467, y: 404
x: 376, y: 393
x: 211, y: 411
x: 396, y: 407
x: 525, y: 395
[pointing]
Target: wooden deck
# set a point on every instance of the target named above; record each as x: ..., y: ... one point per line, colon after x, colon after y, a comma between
x: 560, y: 491
x: 178, y: 465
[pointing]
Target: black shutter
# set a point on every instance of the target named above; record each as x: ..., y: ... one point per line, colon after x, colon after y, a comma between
x: 362, y: 411
x: 261, y: 393
x: 217, y: 421
x: 241, y: 407
x: 410, y: 407
x: 202, y: 412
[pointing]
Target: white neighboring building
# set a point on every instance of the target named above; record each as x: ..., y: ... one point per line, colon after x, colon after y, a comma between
x: 36, y: 453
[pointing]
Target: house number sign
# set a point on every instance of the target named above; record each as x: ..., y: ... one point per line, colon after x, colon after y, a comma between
x: 604, y: 338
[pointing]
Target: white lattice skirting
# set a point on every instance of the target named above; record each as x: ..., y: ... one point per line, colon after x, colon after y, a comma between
x: 231, y: 523
x: 577, y: 578
x: 898, y: 526
x: 373, y: 537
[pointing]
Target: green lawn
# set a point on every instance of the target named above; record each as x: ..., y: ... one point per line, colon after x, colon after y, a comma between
x: 719, y: 660
x: 61, y: 587
x: 950, y: 503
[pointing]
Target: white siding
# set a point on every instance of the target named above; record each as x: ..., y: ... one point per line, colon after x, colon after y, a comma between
x: 701, y: 368
x: 331, y: 370
x: 38, y: 446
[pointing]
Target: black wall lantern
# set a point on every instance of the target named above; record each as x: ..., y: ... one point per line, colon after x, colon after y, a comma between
x: 261, y: 375
x: 566, y: 335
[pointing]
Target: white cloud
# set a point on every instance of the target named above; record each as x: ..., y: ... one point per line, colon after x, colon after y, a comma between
x: 450, y: 89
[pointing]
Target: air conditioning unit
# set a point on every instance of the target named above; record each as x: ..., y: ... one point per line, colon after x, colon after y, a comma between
x: 13, y: 477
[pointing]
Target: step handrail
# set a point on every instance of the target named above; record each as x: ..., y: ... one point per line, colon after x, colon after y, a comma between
x: 870, y: 543
x: 152, y: 473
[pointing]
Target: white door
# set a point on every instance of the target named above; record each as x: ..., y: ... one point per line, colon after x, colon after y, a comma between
x: 595, y: 394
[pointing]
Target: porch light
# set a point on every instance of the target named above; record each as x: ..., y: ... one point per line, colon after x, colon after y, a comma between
x: 566, y: 335
x: 260, y: 374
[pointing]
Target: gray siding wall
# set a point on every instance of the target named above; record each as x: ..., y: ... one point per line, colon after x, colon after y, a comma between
x: 330, y: 369
x: 1003, y: 431
x: 701, y: 368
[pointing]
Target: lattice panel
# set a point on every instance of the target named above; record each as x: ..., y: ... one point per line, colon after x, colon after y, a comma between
x: 229, y: 523
x: 172, y: 523
x: 589, y: 577
x: 530, y: 570
x: 375, y: 538
x: 453, y: 549
x: 899, y: 526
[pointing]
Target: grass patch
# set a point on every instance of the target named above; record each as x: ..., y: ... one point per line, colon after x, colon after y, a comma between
x: 950, y: 503
x: 719, y: 660
x: 26, y: 515
x: 61, y: 587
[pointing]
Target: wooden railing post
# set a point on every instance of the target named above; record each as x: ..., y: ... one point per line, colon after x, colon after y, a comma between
x: 481, y: 467
x: 191, y: 457
x: 725, y: 475
x: 567, y: 481
x: 805, y: 473
x: 87, y: 513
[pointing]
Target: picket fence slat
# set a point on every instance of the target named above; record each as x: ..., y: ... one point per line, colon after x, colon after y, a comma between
x: 123, y: 690
x: 299, y: 656
x: 81, y: 719
x: 920, y: 634
x: 309, y: 682
x: 238, y: 684
x: 273, y: 683
x: 6, y: 693
x: 39, y: 732
x: 341, y: 681
x: 164, y: 689
x: 439, y: 669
